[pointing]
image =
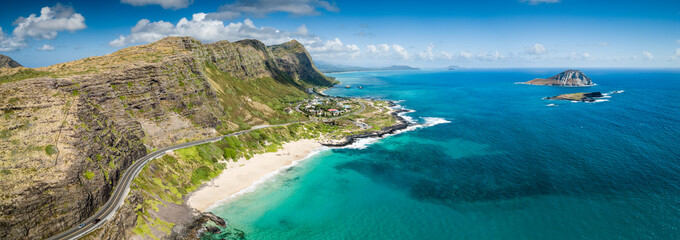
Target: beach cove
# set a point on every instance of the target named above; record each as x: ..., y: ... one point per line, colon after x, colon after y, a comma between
x: 244, y: 175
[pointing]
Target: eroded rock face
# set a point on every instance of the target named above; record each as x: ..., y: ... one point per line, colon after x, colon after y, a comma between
x: 572, y: 78
x: 66, y: 139
x: 7, y: 62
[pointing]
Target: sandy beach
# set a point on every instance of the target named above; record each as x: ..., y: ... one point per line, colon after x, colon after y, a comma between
x: 244, y: 173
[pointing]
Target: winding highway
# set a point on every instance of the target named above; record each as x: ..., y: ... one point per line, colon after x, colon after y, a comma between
x: 108, y: 210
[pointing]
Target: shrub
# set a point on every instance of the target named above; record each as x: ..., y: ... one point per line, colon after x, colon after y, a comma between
x: 51, y: 150
x: 89, y: 175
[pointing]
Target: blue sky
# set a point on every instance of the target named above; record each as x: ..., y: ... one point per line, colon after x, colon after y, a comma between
x: 429, y: 34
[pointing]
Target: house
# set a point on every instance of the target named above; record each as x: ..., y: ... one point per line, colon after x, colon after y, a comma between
x: 334, y: 111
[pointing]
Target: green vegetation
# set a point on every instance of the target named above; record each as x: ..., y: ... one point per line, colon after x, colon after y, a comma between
x: 51, y: 150
x: 88, y: 174
x: 268, y: 98
x: 21, y: 75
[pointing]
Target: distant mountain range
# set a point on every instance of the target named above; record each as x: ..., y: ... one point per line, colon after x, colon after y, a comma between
x: 331, y: 68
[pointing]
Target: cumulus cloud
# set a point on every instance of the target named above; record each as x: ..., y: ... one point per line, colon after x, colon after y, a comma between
x: 387, y: 51
x: 47, y: 25
x: 165, y: 4
x: 537, y: 49
x: 535, y: 2
x: 331, y: 48
x: 8, y: 43
x: 263, y: 7
x: 603, y: 44
x: 647, y: 55
x: 46, y: 47
x: 212, y: 30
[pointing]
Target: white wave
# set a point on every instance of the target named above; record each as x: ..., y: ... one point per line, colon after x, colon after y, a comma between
x: 552, y: 105
x: 431, y: 121
x: 574, y: 101
x: 363, y: 143
x: 617, y: 91
x: 406, y: 117
x: 600, y: 100
x: 522, y: 83
x: 606, y: 96
x: 266, y: 178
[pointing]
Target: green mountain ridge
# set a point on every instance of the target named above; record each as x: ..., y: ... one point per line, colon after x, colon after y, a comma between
x: 69, y: 130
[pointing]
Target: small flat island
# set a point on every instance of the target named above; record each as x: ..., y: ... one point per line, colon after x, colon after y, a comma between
x: 568, y: 78
x: 581, y: 97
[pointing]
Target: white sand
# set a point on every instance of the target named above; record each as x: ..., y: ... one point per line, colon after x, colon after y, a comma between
x: 242, y: 174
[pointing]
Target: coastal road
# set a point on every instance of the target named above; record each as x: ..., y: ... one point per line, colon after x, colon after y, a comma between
x: 108, y: 210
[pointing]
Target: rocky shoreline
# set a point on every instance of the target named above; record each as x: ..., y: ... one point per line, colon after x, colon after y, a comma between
x: 403, y: 124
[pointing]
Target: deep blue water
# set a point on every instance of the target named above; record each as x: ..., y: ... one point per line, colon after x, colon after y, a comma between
x: 506, y: 166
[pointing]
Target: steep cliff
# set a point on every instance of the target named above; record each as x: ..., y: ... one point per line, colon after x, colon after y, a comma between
x: 69, y: 130
x: 7, y: 62
x: 572, y: 78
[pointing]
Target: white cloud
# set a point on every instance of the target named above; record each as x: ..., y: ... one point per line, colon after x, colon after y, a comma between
x: 331, y: 48
x: 302, y: 31
x: 263, y: 7
x: 676, y: 56
x: 211, y: 30
x: 387, y: 51
x: 537, y: 49
x: 430, y: 54
x: 165, y: 4
x: 46, y: 47
x: 400, y: 51
x: 203, y: 29
x: 9, y: 43
x: 579, y: 56
x: 603, y: 44
x: 677, y: 41
x: 647, y: 55
x: 534, y: 2
x: 51, y: 21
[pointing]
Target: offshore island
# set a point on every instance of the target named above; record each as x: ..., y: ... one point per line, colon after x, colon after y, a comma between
x: 71, y: 131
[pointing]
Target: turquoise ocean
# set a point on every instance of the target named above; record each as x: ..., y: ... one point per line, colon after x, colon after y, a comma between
x: 490, y: 160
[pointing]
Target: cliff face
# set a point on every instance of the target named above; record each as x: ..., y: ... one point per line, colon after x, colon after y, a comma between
x: 7, y: 62
x: 66, y: 136
x: 567, y: 78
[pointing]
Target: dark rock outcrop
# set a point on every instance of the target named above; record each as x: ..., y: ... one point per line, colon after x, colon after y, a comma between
x: 402, y: 124
x: 570, y: 78
x: 7, y: 62
x: 581, y: 97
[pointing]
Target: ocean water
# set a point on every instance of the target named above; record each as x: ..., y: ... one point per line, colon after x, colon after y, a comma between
x: 500, y: 164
